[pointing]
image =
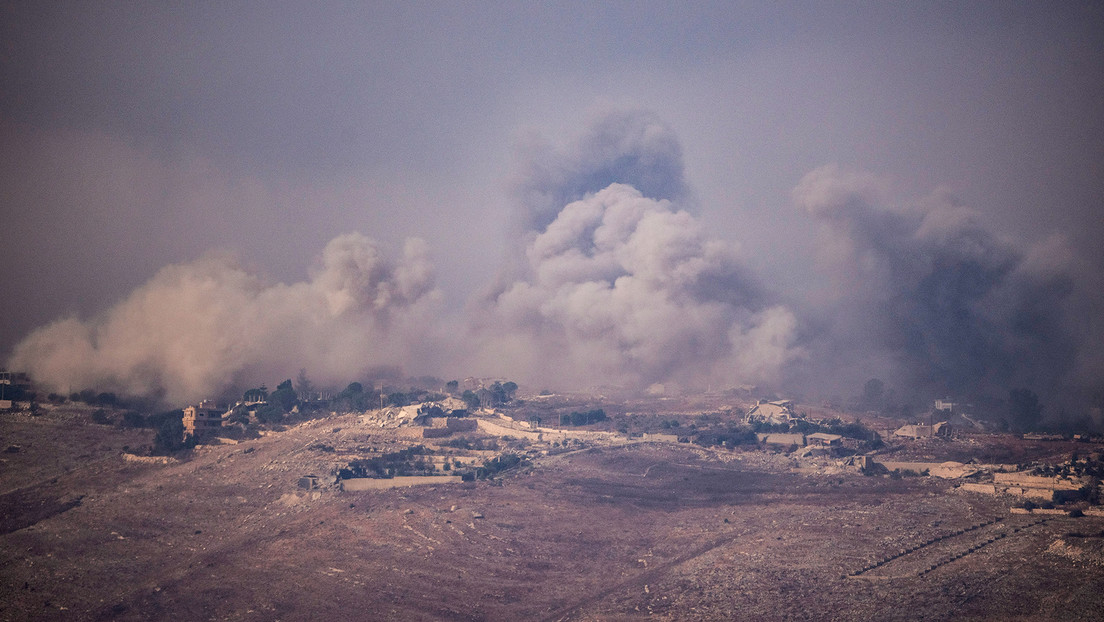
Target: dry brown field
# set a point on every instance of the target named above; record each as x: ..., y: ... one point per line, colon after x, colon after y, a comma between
x: 633, y: 532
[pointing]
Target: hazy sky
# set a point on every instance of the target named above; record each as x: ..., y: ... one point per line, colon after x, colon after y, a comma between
x: 139, y: 135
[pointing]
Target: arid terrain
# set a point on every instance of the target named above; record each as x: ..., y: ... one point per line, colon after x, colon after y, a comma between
x: 587, y: 531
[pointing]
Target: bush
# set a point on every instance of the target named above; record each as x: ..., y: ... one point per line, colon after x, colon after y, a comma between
x: 403, y: 462
x: 731, y: 437
x: 284, y: 397
x: 465, y: 442
x: 270, y: 413
x: 499, y: 464
x: 471, y: 399
x: 170, y: 437
x: 583, y: 417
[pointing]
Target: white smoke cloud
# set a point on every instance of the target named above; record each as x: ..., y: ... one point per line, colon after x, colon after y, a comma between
x: 611, y: 281
x: 196, y: 329
x: 625, y: 289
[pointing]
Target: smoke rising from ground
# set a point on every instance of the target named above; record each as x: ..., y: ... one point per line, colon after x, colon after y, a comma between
x: 199, y: 328
x: 611, y: 281
x: 629, y: 147
x: 928, y: 296
x: 626, y: 289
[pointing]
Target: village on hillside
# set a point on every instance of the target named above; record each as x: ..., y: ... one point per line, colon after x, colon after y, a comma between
x: 451, y: 481
x: 475, y: 428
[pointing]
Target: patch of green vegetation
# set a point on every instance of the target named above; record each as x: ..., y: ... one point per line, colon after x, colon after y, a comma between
x: 410, y: 461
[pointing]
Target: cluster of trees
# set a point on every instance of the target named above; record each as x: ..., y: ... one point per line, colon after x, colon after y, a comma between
x: 727, y: 437
x: 495, y: 466
x: 583, y: 418
x: 498, y: 394
x: 409, y: 461
x: 355, y: 398
x: 852, y: 429
x: 414, y: 395
x: 478, y: 443
x: 471, y: 399
x: 86, y: 396
x: 170, y: 437
x: 277, y: 404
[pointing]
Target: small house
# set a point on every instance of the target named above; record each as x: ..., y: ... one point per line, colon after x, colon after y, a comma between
x: 822, y: 439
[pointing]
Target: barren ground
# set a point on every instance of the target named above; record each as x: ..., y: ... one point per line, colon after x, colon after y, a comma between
x: 645, y: 531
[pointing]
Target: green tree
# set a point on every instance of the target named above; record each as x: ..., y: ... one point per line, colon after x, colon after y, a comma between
x: 270, y: 413
x: 354, y: 398
x: 471, y: 399
x: 452, y: 386
x: 170, y: 437
x: 284, y: 396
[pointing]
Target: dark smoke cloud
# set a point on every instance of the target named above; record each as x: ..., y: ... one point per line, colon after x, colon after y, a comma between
x: 929, y: 297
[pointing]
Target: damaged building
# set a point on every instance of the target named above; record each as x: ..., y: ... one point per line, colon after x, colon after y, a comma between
x: 778, y: 411
x: 205, y: 418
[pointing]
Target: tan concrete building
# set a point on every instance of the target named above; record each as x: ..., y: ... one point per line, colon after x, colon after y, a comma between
x: 822, y: 439
x: 202, y: 419
x: 921, y: 430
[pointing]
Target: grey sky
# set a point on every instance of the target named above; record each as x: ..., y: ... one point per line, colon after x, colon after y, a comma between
x: 138, y: 135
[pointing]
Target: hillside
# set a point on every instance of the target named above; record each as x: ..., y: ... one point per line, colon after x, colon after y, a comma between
x: 645, y: 530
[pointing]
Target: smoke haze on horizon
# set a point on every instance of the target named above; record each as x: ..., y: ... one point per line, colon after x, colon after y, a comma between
x: 715, y: 197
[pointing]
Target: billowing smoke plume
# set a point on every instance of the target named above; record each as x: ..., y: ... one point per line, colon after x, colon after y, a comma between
x: 610, y: 280
x: 615, y: 284
x: 929, y: 296
x: 625, y: 289
x: 198, y: 328
x: 630, y: 147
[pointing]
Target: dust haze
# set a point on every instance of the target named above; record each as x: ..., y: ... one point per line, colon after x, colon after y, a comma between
x: 198, y: 200
x: 611, y: 279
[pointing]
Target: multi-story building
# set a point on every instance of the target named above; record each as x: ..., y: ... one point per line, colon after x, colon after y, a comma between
x: 202, y: 419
